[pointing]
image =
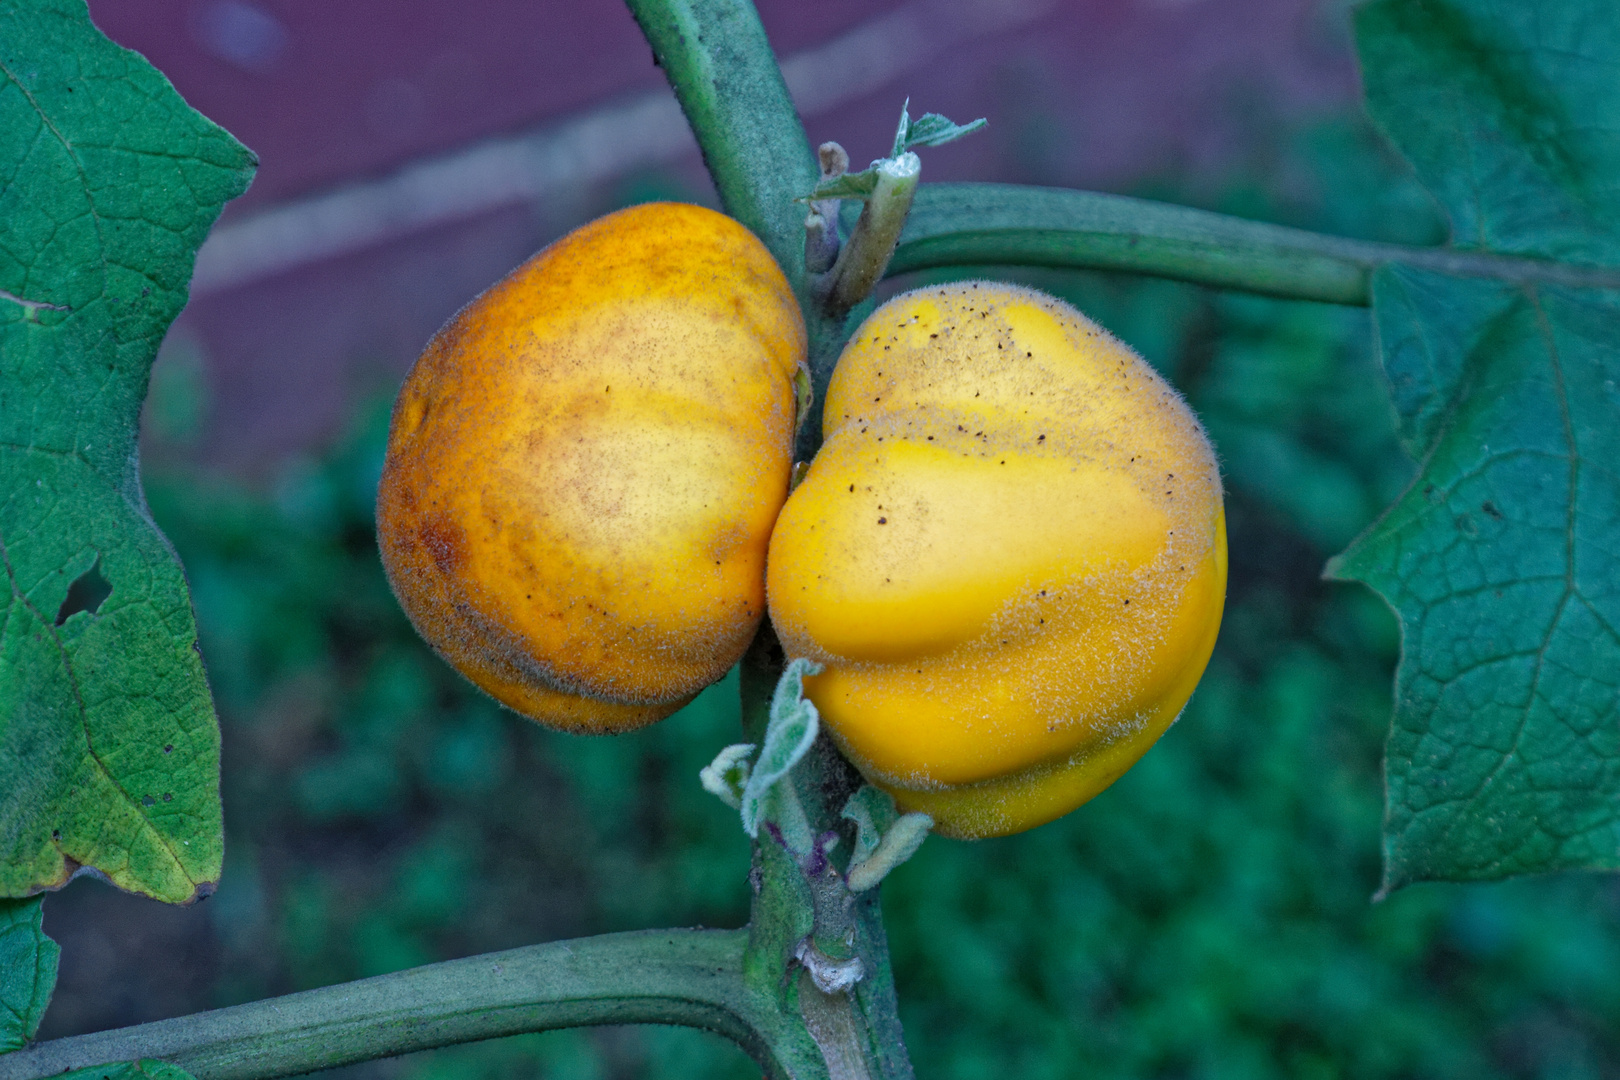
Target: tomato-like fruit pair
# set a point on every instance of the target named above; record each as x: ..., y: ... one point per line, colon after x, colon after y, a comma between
x: 1009, y: 555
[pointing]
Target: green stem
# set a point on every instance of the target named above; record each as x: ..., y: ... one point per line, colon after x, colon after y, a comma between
x: 725, y: 76
x: 871, y: 245
x: 831, y: 1021
x: 798, y: 907
x: 720, y: 65
x: 1012, y: 225
x: 687, y: 977
x: 848, y: 284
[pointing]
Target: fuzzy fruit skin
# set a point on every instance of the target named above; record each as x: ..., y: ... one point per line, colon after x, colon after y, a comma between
x: 585, y: 464
x: 1009, y: 555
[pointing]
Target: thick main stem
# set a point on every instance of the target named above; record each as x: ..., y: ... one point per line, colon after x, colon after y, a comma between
x: 721, y: 68
x: 831, y: 1021
x: 688, y: 977
x: 803, y: 909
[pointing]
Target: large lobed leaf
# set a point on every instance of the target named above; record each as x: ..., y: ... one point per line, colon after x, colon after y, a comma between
x: 1503, y: 559
x: 1504, y: 564
x: 109, y: 750
x: 1508, y: 111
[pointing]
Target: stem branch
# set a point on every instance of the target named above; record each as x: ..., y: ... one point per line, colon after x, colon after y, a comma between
x: 720, y: 65
x: 688, y: 977
x: 862, y: 262
x: 724, y: 74
x: 1011, y: 225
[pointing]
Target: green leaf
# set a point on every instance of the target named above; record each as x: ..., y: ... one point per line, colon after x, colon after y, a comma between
x: 1503, y: 563
x: 1507, y: 111
x: 131, y: 1070
x: 1501, y: 559
x: 27, y: 971
x: 846, y: 186
x: 109, y: 750
x: 899, y: 843
x: 788, y: 737
x: 932, y: 129
x: 884, y: 837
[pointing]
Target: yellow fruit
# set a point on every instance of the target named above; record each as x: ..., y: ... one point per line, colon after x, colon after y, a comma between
x: 585, y: 463
x: 1009, y: 555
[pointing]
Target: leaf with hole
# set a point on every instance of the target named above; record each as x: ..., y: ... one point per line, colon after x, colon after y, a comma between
x: 109, y: 750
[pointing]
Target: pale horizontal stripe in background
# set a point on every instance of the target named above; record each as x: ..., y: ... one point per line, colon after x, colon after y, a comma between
x: 603, y: 143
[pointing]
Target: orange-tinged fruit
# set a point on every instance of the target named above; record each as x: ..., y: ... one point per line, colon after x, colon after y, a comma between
x: 585, y: 464
x: 1009, y: 555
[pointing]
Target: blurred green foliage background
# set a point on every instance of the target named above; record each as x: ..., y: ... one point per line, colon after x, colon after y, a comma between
x: 1210, y: 916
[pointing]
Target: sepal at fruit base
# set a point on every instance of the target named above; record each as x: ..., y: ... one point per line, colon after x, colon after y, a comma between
x: 792, y: 730
x: 884, y: 837
x: 726, y: 777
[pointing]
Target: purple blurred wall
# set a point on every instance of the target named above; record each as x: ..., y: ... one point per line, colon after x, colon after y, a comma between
x: 1094, y: 93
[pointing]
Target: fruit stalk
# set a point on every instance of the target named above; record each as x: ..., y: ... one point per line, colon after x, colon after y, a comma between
x: 1017, y: 225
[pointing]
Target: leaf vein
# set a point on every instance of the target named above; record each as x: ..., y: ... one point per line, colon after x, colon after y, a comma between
x: 73, y: 155
x: 84, y: 718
